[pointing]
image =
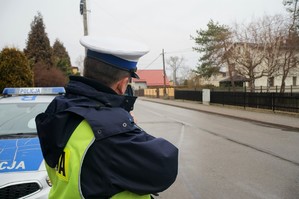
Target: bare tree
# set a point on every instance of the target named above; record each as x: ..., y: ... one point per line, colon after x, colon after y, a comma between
x: 176, y: 63
x: 80, y: 63
x: 48, y: 76
x: 290, y: 58
x: 249, y: 53
x: 292, y: 7
x: 271, y: 36
x: 266, y: 47
x: 290, y: 45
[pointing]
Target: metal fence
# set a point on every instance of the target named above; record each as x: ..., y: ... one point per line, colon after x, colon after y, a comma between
x: 188, y: 95
x: 288, y: 102
x: 261, y: 89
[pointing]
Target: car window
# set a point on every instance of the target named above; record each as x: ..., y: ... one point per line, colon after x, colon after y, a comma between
x: 19, y: 117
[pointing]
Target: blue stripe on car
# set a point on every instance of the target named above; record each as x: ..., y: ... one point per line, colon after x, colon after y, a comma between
x: 20, y: 155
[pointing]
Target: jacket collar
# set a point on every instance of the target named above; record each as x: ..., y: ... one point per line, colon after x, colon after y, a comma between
x: 93, y: 83
x: 94, y: 90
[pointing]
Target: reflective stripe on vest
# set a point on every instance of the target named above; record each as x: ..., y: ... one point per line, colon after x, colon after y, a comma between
x: 129, y: 195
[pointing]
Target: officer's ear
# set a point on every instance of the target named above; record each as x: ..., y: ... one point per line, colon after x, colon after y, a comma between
x: 121, y: 86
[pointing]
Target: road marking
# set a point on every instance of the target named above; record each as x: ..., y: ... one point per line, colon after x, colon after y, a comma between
x: 182, y: 134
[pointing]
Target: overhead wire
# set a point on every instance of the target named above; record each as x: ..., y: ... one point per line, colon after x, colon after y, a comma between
x: 152, y: 62
x: 186, y: 50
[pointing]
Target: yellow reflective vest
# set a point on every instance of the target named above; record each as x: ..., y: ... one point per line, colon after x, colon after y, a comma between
x: 65, y: 178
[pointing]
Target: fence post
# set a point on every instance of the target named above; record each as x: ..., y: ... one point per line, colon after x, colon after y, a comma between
x: 244, y: 103
x: 206, y: 96
x: 273, y: 102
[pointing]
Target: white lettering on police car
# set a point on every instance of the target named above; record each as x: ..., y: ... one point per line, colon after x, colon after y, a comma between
x: 15, y: 165
x: 30, y: 91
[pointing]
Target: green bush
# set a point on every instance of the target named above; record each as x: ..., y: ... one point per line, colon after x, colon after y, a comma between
x: 14, y: 69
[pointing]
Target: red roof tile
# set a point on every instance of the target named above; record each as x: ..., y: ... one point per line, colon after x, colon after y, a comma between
x: 151, y: 77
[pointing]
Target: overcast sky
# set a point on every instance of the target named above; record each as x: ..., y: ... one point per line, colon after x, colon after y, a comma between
x: 161, y: 24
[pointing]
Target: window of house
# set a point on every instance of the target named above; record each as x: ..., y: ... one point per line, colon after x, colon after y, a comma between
x: 294, y: 81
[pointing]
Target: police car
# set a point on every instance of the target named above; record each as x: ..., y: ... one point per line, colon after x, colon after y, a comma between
x: 22, y: 169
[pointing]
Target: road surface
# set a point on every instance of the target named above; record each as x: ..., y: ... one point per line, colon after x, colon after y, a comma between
x: 224, y: 157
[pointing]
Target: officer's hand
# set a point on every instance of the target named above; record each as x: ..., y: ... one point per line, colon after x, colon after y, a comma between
x: 134, y: 119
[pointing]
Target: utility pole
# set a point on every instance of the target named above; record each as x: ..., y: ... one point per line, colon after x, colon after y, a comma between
x: 164, y: 74
x: 83, y: 11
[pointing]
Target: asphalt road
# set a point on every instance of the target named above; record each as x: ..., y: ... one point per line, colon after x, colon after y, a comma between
x: 224, y: 157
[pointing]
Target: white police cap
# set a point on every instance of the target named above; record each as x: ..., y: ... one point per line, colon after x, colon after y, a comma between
x: 121, y: 53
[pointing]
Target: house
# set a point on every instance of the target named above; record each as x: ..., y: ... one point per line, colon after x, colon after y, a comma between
x: 255, y: 68
x: 149, y: 79
x: 75, y: 70
x: 238, y: 80
x: 214, y: 80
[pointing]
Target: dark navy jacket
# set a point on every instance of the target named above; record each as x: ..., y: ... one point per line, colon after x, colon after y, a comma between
x: 123, y: 156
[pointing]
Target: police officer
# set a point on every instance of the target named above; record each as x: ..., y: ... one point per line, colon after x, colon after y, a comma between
x: 90, y: 142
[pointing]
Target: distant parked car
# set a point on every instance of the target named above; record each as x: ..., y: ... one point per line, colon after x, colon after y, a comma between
x: 22, y: 168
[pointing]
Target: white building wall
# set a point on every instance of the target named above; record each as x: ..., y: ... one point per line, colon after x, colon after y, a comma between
x: 277, y: 81
x: 214, y: 80
x: 260, y: 81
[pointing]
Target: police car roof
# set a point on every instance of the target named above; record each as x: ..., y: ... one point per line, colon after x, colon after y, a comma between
x: 33, y: 91
x: 30, y: 94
